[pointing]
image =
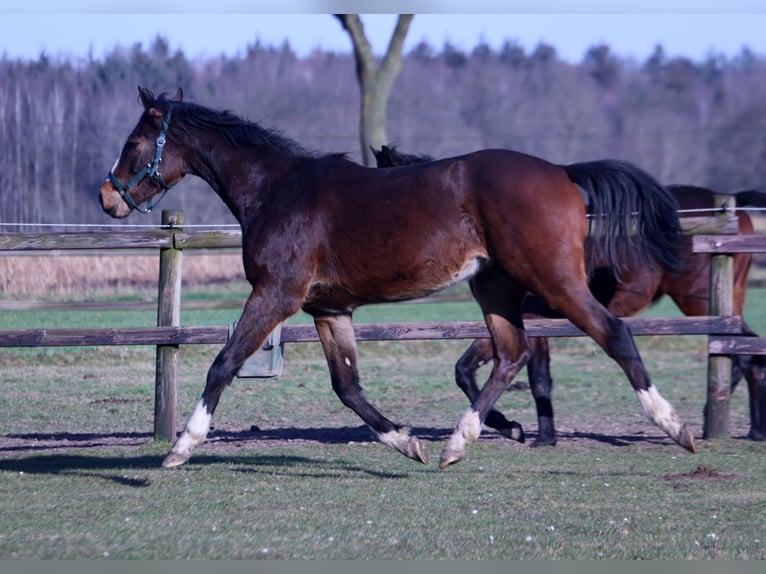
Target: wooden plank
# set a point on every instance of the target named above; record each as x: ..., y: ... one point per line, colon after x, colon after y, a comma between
x: 736, y: 345
x: 208, y: 239
x: 364, y: 332
x: 729, y: 243
x: 151, y: 238
x: 720, y: 224
x: 535, y: 328
x: 113, y: 337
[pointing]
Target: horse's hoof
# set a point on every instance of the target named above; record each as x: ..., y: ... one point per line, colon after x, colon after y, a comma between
x: 756, y: 435
x: 449, y: 457
x: 509, y: 429
x: 174, y: 459
x: 543, y: 441
x: 517, y: 432
x: 513, y: 431
x: 686, y: 439
x: 415, y: 450
x: 401, y: 441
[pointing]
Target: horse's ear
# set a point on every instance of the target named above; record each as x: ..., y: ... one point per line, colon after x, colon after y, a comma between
x: 179, y: 97
x: 146, y: 97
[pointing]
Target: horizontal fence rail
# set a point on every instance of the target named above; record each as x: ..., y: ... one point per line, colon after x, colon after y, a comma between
x: 364, y: 332
x: 176, y: 238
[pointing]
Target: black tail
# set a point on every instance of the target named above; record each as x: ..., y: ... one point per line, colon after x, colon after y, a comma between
x: 623, y: 199
x: 751, y: 198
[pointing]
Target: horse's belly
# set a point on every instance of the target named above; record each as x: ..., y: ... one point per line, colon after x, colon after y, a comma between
x: 417, y: 280
x: 399, y: 283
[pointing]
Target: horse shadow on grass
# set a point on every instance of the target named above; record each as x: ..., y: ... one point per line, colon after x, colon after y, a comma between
x: 45, y: 456
x: 116, y: 469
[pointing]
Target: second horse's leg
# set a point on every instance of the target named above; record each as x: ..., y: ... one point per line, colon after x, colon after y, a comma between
x: 500, y: 300
x: 541, y: 386
x: 479, y: 353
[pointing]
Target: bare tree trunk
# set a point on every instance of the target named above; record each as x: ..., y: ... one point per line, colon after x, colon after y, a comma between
x: 21, y: 180
x: 375, y: 82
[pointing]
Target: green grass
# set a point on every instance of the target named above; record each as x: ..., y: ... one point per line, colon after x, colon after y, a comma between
x: 311, y: 483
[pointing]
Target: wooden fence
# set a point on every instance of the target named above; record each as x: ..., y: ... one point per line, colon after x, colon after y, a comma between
x: 711, y: 235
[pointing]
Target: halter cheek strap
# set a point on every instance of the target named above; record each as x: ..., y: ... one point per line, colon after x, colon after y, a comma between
x: 151, y: 169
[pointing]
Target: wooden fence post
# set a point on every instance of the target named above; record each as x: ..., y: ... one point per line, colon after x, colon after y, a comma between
x: 168, y: 315
x: 716, y: 415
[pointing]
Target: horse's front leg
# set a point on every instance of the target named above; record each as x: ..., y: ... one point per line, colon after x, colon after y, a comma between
x: 479, y: 353
x: 259, y: 317
x: 336, y: 334
x: 500, y: 301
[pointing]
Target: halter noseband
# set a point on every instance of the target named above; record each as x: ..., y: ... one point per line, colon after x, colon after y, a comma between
x: 151, y: 169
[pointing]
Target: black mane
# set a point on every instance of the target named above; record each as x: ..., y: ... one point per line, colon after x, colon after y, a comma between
x: 238, y: 131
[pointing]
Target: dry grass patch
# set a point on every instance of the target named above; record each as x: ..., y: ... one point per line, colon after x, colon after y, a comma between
x: 81, y: 276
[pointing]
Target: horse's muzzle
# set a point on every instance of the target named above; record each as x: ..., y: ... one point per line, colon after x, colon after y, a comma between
x: 111, y: 202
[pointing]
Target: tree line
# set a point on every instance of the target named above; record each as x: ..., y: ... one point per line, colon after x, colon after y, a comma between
x: 63, y: 122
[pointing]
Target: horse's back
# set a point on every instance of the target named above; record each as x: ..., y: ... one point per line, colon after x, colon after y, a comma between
x: 403, y: 232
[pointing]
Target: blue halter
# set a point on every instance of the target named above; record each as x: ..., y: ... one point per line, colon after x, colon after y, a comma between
x: 151, y: 169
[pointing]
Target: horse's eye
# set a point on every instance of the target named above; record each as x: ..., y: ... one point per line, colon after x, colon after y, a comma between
x: 130, y: 145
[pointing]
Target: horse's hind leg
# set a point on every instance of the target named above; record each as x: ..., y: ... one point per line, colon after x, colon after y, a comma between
x: 336, y: 334
x: 500, y: 300
x: 479, y: 353
x: 614, y: 336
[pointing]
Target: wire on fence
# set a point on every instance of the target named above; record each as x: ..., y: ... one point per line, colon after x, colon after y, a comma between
x: 701, y: 210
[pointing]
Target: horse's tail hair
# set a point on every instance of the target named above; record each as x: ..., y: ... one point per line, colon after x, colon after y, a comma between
x: 628, y: 207
x: 750, y: 198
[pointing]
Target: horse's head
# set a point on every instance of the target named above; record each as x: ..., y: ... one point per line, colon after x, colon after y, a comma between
x: 147, y: 165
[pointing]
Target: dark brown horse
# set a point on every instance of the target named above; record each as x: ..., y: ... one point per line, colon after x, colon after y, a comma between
x: 638, y: 286
x: 326, y: 235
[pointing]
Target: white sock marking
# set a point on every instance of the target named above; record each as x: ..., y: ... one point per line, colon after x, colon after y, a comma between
x: 195, y: 432
x: 659, y: 411
x: 396, y: 439
x: 469, y: 426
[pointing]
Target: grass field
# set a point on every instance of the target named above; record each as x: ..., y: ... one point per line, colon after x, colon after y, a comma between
x: 288, y: 472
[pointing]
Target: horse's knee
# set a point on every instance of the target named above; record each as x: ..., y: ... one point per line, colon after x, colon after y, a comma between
x: 509, y: 365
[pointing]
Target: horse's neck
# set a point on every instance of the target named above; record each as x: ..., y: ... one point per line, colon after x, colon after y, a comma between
x: 237, y: 175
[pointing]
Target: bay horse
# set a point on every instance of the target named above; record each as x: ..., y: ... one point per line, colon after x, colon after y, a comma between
x: 638, y: 286
x: 324, y: 234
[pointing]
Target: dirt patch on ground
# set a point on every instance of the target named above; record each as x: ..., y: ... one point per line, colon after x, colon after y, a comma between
x: 702, y: 473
